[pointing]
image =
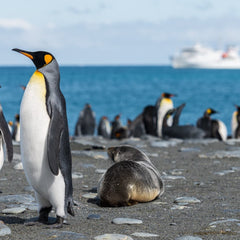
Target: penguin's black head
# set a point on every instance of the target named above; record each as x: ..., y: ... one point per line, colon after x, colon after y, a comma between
x: 168, y: 95
x: 210, y: 111
x: 40, y: 58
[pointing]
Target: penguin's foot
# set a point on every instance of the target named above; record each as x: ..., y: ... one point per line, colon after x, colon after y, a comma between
x: 58, y: 223
x: 42, y: 219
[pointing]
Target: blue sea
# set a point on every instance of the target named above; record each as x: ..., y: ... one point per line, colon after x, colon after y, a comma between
x: 126, y: 90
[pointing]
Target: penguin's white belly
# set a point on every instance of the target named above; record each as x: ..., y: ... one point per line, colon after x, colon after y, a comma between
x: 34, y: 128
x: 234, y: 124
x: 1, y: 153
x: 163, y: 109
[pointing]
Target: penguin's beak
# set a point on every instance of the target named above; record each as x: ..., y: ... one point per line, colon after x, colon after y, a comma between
x: 26, y: 53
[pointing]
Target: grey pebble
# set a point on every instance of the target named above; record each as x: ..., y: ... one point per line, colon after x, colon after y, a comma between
x: 224, y: 172
x: 18, y: 166
x: 100, y: 171
x: 187, y: 200
x: 90, y: 195
x: 4, y: 230
x: 113, y: 237
x: 188, y: 238
x: 128, y: 221
x: 93, y: 216
x: 15, y: 210
x: 21, y: 198
x: 77, y: 175
x: 165, y: 144
x: 183, y: 149
x: 224, y: 221
x: 143, y: 234
x: 170, y: 177
x: 29, y: 189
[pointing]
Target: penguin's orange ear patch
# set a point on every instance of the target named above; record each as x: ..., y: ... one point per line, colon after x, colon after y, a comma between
x: 48, y: 58
x: 209, y: 111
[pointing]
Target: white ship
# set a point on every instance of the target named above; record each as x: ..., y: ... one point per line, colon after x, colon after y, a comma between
x: 199, y: 56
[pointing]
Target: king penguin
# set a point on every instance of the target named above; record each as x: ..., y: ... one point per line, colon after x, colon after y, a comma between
x: 153, y: 115
x: 235, y: 124
x: 45, y: 147
x: 163, y: 105
x: 6, y: 147
x: 213, y: 128
x: 86, y: 122
x: 104, y: 127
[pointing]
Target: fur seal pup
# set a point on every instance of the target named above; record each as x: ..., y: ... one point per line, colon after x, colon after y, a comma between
x: 132, y: 179
x: 86, y: 122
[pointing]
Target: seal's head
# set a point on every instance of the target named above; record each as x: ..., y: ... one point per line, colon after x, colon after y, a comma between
x: 126, y: 153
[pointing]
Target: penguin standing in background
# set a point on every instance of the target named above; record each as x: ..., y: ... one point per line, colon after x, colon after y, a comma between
x: 6, y: 147
x: 149, y: 118
x: 45, y: 146
x: 16, y: 129
x: 153, y: 115
x: 163, y: 105
x: 213, y: 128
x: 236, y: 123
x: 104, y: 128
x: 86, y: 122
x: 136, y: 127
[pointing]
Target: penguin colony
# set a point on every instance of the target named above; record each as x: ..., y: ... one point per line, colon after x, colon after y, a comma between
x: 161, y: 120
x: 45, y: 145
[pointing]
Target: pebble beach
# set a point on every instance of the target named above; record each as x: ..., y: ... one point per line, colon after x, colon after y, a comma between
x: 201, y: 198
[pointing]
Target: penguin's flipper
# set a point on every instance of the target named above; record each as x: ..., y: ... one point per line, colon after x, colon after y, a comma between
x: 66, y: 168
x: 7, y: 138
x: 53, y: 140
x: 177, y: 114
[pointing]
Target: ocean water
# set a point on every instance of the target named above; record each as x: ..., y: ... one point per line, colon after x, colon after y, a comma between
x: 126, y: 90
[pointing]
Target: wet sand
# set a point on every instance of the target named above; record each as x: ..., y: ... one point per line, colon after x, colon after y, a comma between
x: 206, y: 170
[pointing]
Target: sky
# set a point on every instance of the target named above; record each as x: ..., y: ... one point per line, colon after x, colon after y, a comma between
x: 107, y: 32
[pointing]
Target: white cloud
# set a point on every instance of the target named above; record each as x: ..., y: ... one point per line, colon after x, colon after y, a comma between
x: 15, y: 24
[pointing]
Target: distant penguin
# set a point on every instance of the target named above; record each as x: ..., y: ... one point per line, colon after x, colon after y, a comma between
x: 130, y: 180
x: 116, y: 125
x: 6, y: 147
x: 153, y: 115
x: 10, y: 126
x: 104, y: 127
x: 213, y: 128
x: 16, y: 129
x: 163, y: 104
x: 45, y: 146
x: 179, y: 131
x: 149, y: 118
x: 236, y: 123
x: 136, y: 127
x: 86, y: 122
